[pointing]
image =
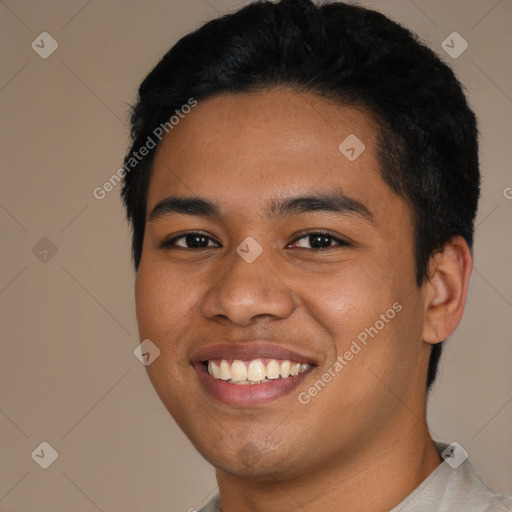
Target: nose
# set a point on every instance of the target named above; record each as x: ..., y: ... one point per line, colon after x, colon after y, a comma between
x: 246, y: 291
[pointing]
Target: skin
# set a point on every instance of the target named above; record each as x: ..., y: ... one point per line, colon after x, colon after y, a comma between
x: 361, y: 444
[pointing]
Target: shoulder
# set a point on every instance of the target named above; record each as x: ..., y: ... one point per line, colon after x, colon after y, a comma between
x: 484, y: 498
x: 455, y: 486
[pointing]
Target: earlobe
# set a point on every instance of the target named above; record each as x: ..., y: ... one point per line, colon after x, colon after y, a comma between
x: 446, y: 290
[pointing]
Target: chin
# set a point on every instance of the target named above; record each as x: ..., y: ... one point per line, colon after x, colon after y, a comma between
x: 249, y: 460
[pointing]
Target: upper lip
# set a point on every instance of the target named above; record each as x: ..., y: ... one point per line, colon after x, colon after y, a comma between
x: 247, y: 350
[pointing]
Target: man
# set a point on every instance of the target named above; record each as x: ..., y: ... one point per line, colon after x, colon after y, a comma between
x: 302, y: 187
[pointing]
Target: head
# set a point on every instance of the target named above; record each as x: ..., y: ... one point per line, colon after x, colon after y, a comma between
x: 262, y: 99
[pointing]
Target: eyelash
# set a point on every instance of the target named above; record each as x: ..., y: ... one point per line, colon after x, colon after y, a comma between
x: 168, y: 244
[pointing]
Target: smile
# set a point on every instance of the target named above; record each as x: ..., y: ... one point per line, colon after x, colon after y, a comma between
x: 256, y: 371
x: 250, y: 374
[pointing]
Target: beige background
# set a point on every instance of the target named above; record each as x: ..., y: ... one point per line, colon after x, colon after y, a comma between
x: 68, y: 375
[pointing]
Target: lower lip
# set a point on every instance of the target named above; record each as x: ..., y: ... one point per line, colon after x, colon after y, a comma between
x: 247, y: 395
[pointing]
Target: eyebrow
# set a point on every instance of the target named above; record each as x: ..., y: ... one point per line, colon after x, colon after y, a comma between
x: 336, y: 202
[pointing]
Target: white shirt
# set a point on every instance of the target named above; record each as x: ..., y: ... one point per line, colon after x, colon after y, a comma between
x: 446, y: 489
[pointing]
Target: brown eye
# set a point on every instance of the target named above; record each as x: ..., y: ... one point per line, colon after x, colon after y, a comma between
x: 320, y: 240
x: 192, y: 240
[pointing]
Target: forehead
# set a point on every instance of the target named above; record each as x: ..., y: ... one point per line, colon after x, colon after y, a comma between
x: 243, y: 149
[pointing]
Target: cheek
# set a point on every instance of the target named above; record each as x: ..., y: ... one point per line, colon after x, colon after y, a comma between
x: 163, y: 301
x: 372, y: 321
x: 346, y: 302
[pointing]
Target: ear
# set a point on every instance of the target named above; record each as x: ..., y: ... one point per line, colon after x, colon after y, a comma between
x: 446, y: 290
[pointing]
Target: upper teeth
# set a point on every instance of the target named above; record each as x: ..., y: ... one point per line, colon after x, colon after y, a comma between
x: 255, y: 370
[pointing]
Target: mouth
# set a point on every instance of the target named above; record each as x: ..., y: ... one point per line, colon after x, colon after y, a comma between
x: 247, y: 375
x: 256, y: 371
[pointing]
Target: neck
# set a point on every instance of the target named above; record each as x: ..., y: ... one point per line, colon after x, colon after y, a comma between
x: 377, y: 481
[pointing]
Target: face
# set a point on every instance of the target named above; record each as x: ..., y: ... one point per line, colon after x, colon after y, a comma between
x: 293, y: 250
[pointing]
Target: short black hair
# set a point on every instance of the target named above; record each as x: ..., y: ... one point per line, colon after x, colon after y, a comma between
x: 428, y: 138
